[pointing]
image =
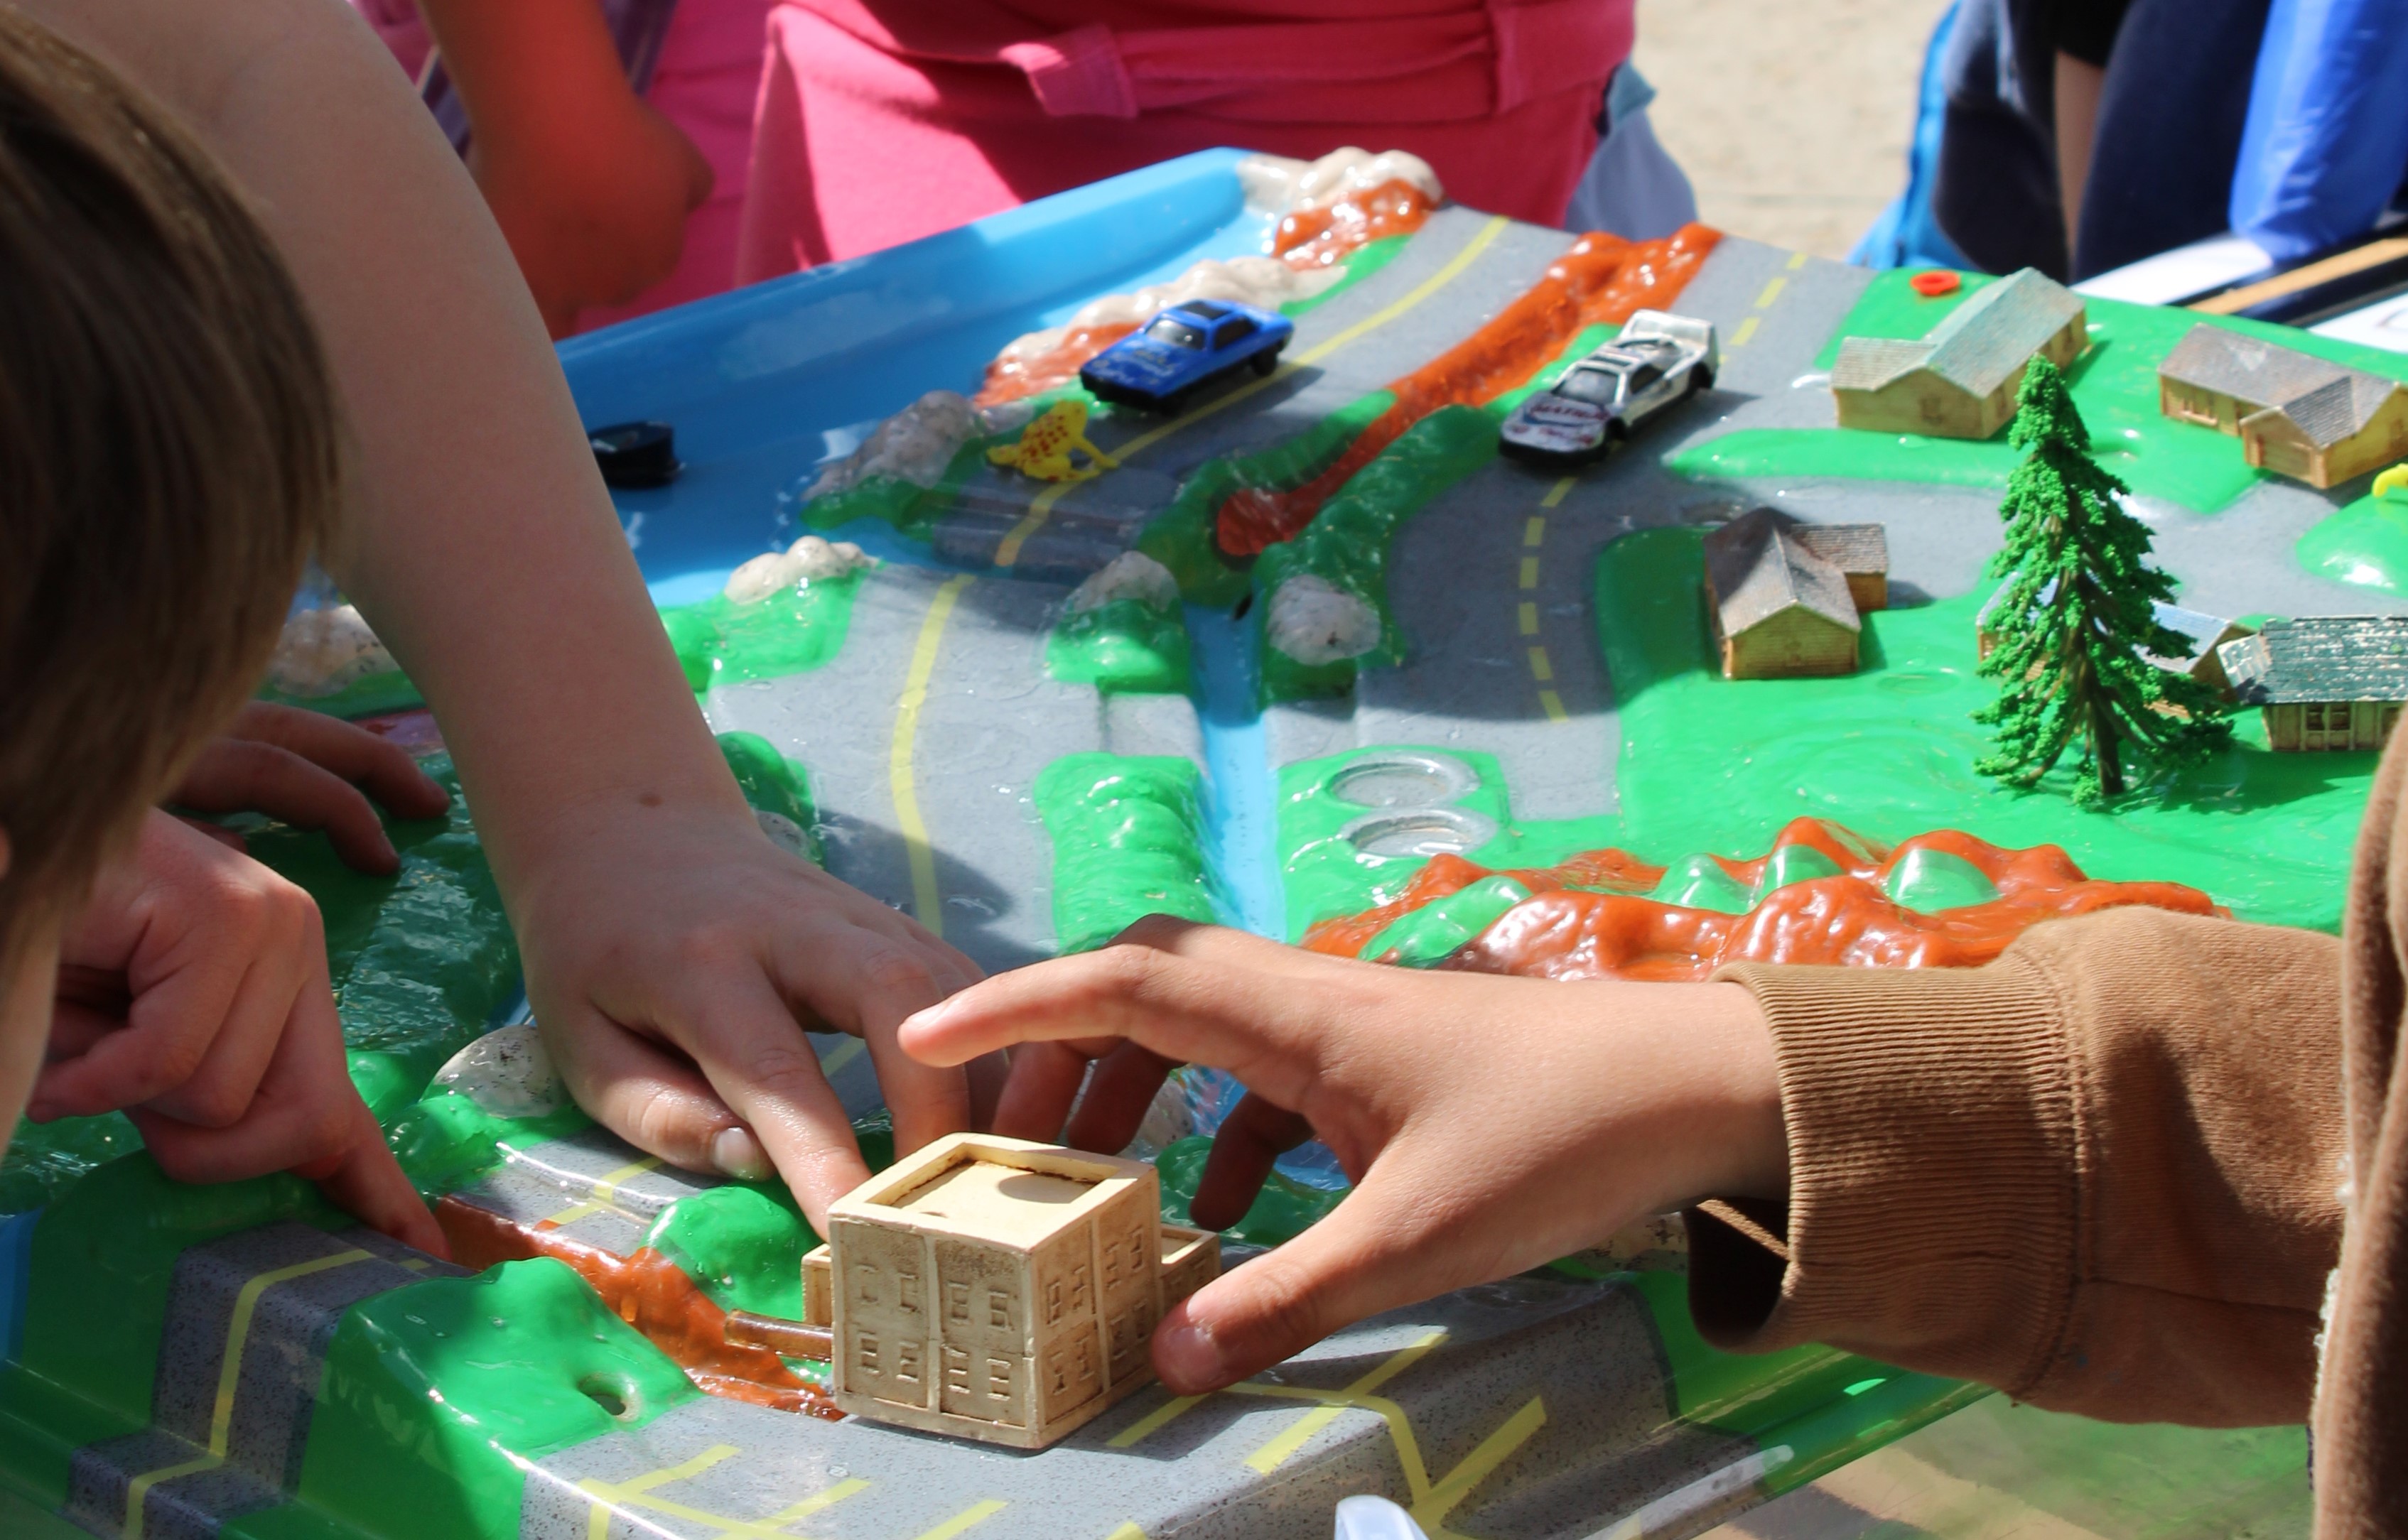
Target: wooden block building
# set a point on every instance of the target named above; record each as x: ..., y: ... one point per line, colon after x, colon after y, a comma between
x: 1959, y: 380
x: 2295, y: 414
x: 1784, y: 597
x: 998, y: 1290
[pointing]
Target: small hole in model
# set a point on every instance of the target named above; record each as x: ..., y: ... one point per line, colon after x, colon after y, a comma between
x: 610, y: 1396
x: 1243, y: 605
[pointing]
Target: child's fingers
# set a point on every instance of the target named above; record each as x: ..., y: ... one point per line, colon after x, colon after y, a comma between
x: 865, y: 982
x: 365, y: 1180
x: 1118, y: 1095
x: 381, y: 768
x: 653, y: 1099
x: 240, y: 775
x: 755, y: 1055
x: 1253, y: 1136
x: 198, y: 1038
x: 1359, y: 1260
x: 1038, y: 1093
x: 1238, y: 1017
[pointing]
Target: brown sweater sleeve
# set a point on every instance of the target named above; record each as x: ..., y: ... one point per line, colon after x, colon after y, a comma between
x: 2101, y: 1172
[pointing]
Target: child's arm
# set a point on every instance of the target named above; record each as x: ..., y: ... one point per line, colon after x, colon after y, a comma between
x: 590, y: 185
x: 672, y: 952
x: 2099, y: 1173
x: 1490, y: 1124
x: 193, y: 997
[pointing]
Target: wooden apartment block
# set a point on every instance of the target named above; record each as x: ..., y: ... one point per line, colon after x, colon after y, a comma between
x: 998, y: 1290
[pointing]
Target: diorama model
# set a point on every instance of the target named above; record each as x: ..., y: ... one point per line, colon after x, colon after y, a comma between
x: 2325, y: 683
x: 998, y: 1290
x: 2295, y: 414
x: 1959, y: 380
x: 1163, y: 365
x: 1316, y: 659
x: 1784, y: 597
x: 1657, y: 360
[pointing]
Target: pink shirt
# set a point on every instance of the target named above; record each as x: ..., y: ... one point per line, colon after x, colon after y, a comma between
x: 883, y: 121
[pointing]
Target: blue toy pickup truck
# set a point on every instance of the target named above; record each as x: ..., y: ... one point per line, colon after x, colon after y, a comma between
x: 1162, y: 365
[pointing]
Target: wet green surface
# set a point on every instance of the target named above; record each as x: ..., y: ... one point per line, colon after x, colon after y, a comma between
x: 1888, y: 752
x: 743, y: 1244
x: 1429, y: 934
x: 435, y: 1394
x: 1128, y: 841
x: 794, y: 630
x: 1126, y: 647
x: 2364, y: 542
x: 2114, y: 384
x: 773, y: 783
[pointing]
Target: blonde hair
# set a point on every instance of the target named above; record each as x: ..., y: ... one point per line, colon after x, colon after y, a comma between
x: 171, y: 455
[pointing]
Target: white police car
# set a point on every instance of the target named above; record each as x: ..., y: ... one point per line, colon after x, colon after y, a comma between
x: 1657, y: 360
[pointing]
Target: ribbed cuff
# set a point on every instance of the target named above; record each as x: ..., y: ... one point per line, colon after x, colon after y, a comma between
x: 1932, y: 1208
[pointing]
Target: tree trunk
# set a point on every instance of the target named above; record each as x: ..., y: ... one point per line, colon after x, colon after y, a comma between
x: 2103, y: 745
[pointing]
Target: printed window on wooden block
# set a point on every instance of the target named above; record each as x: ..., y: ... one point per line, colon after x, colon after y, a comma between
x: 865, y: 1351
x: 999, y: 1309
x: 999, y: 1379
x: 957, y: 1301
x: 907, y: 1362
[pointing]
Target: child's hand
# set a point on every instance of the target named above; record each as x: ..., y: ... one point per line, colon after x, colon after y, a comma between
x: 1490, y: 1124
x: 673, y: 956
x: 313, y: 771
x: 192, y: 996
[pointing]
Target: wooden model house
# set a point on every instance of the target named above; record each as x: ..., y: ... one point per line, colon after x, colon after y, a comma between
x: 1959, y: 380
x: 2295, y: 414
x: 2329, y: 682
x: 1784, y: 596
x: 998, y: 1290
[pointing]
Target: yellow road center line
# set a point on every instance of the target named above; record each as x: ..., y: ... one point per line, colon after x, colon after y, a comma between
x: 1541, y: 669
x: 137, y: 1492
x: 1797, y: 259
x: 1772, y: 292
x: 1430, y: 285
x: 1493, y: 1451
x: 810, y: 1506
x: 609, y: 1495
x: 926, y: 902
x: 1553, y: 705
x: 1150, y: 1422
x: 977, y: 1513
x: 1529, y: 619
x: 1746, y: 330
x: 1040, y: 508
x: 844, y: 1053
x: 1534, y: 530
x: 606, y: 1191
x: 1530, y: 572
x: 1273, y: 1454
x: 1556, y: 493
x: 246, y: 1306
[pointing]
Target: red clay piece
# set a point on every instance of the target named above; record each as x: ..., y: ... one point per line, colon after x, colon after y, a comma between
x: 1935, y: 283
x: 1602, y: 279
x: 1585, y: 918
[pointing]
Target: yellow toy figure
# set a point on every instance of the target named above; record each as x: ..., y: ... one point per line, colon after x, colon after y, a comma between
x: 2394, y: 479
x: 1045, y: 444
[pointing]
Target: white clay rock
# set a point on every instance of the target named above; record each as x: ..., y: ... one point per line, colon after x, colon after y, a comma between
x: 915, y: 445
x: 326, y: 650
x: 1131, y: 574
x: 507, y: 1073
x: 1315, y: 622
x: 809, y: 560
x: 1351, y: 170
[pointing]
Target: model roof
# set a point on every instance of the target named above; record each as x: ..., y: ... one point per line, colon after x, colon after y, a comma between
x: 2335, y: 409
x: 2323, y: 658
x: 1851, y: 548
x: 1757, y: 570
x: 2247, y: 369
x: 1977, y: 347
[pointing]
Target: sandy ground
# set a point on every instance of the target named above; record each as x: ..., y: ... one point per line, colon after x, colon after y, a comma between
x: 1790, y: 116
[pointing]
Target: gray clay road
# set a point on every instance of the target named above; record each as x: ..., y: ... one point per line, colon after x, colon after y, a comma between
x: 1450, y: 280
x: 923, y: 737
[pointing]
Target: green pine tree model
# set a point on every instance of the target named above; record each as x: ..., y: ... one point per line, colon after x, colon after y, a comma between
x: 2075, y: 619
